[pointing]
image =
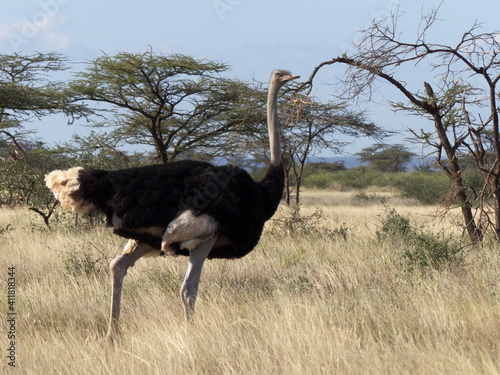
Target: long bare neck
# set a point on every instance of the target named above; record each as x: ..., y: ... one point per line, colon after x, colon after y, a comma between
x: 272, y: 124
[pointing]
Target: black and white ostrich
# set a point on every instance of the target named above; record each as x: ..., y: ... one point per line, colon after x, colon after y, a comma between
x: 188, y: 208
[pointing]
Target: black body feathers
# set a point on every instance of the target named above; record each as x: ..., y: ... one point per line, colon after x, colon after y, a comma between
x: 136, y: 199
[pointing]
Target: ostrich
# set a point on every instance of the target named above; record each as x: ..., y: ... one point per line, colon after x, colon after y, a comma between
x: 189, y: 208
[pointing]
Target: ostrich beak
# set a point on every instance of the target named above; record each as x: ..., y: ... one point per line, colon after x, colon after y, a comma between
x: 290, y: 77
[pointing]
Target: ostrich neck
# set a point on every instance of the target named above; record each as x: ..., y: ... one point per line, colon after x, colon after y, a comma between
x: 272, y: 124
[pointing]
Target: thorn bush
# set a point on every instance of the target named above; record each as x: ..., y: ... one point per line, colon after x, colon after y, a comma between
x: 419, y: 250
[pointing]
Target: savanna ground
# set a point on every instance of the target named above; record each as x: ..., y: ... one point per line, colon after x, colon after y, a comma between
x: 328, y: 294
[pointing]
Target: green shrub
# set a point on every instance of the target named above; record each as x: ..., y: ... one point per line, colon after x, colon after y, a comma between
x: 290, y: 222
x: 355, y: 178
x: 360, y: 178
x: 83, y: 263
x: 419, y: 250
x: 394, y: 225
x: 319, y: 180
x: 425, y: 187
x: 429, y: 187
x: 426, y: 250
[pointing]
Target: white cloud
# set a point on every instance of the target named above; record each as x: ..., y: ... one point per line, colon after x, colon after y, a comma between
x: 42, y: 29
x: 8, y: 29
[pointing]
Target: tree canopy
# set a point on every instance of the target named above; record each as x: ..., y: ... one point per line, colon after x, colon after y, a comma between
x: 386, y: 158
x: 174, y: 102
x: 28, y: 90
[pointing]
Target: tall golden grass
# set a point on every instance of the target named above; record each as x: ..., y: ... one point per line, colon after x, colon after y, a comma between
x: 338, y: 302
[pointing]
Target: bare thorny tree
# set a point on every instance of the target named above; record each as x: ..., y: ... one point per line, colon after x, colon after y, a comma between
x: 461, y: 102
x: 312, y: 126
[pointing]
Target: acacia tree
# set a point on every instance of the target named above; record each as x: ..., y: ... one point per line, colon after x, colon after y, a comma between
x: 463, y: 111
x: 386, y: 158
x: 176, y: 103
x: 29, y: 91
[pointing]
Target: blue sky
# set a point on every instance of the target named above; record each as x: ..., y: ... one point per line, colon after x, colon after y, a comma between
x: 253, y: 37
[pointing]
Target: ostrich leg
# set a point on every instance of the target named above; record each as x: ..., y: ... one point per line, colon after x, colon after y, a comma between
x: 189, y: 288
x: 119, y: 266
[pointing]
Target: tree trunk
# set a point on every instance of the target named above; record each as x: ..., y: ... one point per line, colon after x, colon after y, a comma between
x: 493, y: 185
x: 298, y: 181
x: 455, y: 174
x: 496, y: 210
x: 495, y: 176
x: 297, y: 191
x: 475, y: 233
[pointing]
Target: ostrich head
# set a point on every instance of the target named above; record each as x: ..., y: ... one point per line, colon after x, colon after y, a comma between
x: 280, y: 77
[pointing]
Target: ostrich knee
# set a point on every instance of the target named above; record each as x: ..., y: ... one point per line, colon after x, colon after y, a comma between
x: 117, y: 267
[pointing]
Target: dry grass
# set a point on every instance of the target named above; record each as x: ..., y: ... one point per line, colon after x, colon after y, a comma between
x: 304, y: 304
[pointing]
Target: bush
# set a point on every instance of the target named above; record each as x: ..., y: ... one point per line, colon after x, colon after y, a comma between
x: 425, y: 187
x: 355, y: 178
x: 324, y: 167
x: 426, y: 250
x: 420, y: 250
x: 394, y: 225
x: 291, y: 223
x: 83, y: 263
x: 319, y: 180
x: 360, y: 178
x: 429, y: 187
